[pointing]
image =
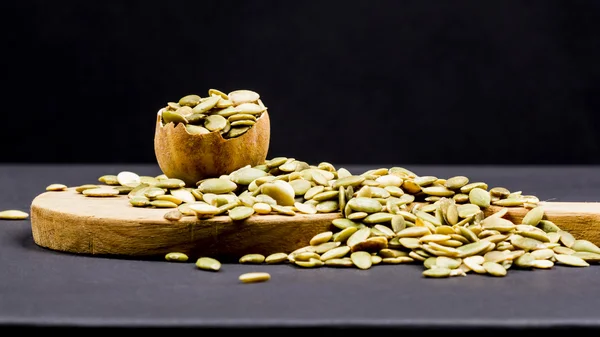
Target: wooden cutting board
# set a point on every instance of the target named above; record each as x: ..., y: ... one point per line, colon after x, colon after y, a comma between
x: 71, y: 222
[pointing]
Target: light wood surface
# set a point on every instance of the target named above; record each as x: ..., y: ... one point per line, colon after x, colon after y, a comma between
x: 71, y: 222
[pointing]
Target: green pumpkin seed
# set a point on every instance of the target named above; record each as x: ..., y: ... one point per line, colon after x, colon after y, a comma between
x: 276, y: 258
x: 353, y: 181
x: 467, y: 188
x: 176, y: 257
x: 585, y: 246
x: 533, y: 216
x: 254, y: 277
x: 480, y: 197
x: 174, y: 215
x: 439, y: 191
x: 472, y: 248
x: 109, y: 179
x: 281, y: 191
x: 217, y: 186
x: 283, y: 210
x: 100, y: 192
x: 189, y: 100
x: 494, y: 269
x: 412, y: 232
x: 437, y: 272
x: 206, y: 104
x: 367, y: 205
x: 13, y: 214
x: 335, y: 253
x: 172, y: 117
x: 326, y: 195
x: 327, y: 206
x: 571, y: 260
x: 196, y: 129
x: 300, y: 186
x: 170, y: 183
x: 239, y: 213
x: 80, y: 189
x: 202, y: 209
x: 321, y: 238
x: 163, y: 204
x: 548, y: 226
x: 456, y: 182
x: 379, y: 217
x: 56, y: 187
x: 543, y: 264
x: 588, y: 257
x: 566, y: 238
x: 139, y: 201
x: 208, y: 263
x: 252, y: 259
x: 361, y: 260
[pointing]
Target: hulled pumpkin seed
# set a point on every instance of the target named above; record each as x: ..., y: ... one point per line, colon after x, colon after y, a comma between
x: 252, y: 258
x: 177, y: 257
x: 255, y: 277
x: 276, y: 258
x: 56, y: 187
x: 361, y: 260
x: 208, y: 263
x: 13, y: 214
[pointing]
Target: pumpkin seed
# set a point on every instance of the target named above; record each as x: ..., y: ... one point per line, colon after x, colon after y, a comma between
x: 585, y: 246
x: 100, y: 192
x: 335, y: 253
x: 321, y: 238
x: 252, y: 258
x: 437, y: 272
x: 13, y: 214
x: 239, y: 213
x: 80, y: 189
x: 543, y: 264
x: 361, y: 260
x: 534, y: 216
x: 494, y: 269
x: 170, y: 183
x: 208, y: 263
x: 56, y: 187
x: 177, y: 257
x: 276, y: 258
x: 174, y: 215
x: 571, y: 260
x: 254, y: 277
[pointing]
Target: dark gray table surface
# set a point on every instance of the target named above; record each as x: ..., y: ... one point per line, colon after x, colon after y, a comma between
x: 43, y: 288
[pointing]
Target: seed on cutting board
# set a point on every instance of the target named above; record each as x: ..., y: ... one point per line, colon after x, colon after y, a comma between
x: 238, y: 213
x: 80, y: 189
x: 56, y: 187
x: 139, y: 201
x: 174, y: 215
x: 254, y: 277
x: 13, y: 214
x: 163, y: 204
x: 127, y: 178
x: 305, y: 208
x: 177, y: 257
x: 170, y: 198
x: 208, y: 263
x: 170, y: 183
x: 100, y: 192
x: 109, y: 179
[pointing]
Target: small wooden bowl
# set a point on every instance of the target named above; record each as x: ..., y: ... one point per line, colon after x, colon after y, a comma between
x: 195, y: 157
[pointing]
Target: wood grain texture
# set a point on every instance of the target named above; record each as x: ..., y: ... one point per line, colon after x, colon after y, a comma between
x: 70, y: 222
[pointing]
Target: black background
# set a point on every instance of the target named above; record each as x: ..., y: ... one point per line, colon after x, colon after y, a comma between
x: 371, y: 82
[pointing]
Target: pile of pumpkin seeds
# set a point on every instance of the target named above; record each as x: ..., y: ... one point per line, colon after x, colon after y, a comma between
x: 231, y: 114
x: 388, y: 216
